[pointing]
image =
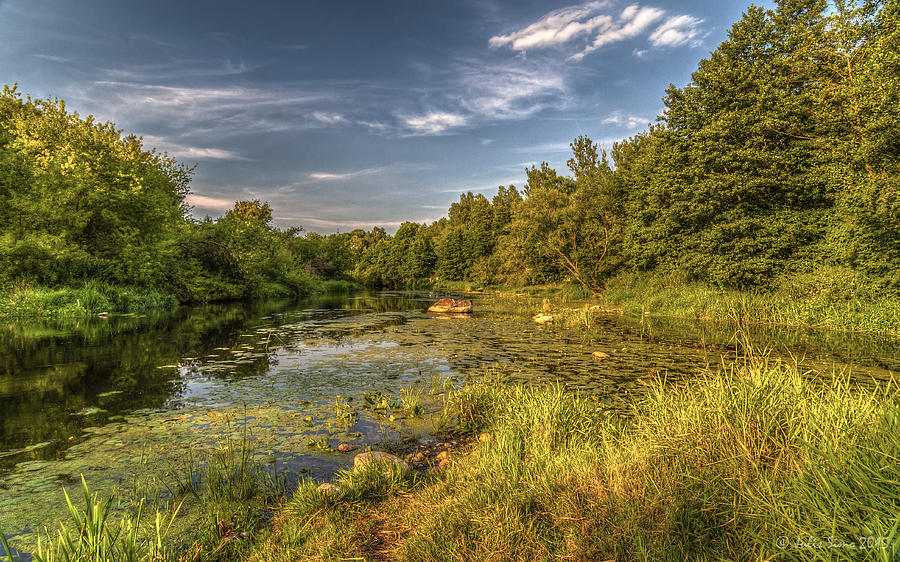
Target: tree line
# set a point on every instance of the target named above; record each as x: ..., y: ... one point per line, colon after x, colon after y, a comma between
x: 777, y: 162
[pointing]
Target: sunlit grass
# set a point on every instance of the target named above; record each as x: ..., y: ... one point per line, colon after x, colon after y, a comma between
x: 715, y: 468
x: 836, y: 310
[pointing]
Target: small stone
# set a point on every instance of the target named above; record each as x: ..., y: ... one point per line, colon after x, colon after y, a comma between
x: 347, y: 448
x: 329, y: 489
x: 419, y: 457
x: 484, y: 437
x: 444, y: 464
x: 542, y: 318
x: 443, y: 455
x: 363, y: 459
x: 600, y: 355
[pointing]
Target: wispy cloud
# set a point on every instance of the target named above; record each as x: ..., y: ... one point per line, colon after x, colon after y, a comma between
x: 325, y: 176
x: 201, y: 110
x: 511, y: 91
x: 52, y: 58
x: 209, y: 203
x: 190, y: 152
x: 434, y: 122
x: 677, y: 31
x: 628, y: 121
x: 601, y: 25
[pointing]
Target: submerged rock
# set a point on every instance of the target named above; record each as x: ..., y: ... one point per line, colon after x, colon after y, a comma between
x: 347, y: 447
x: 363, y: 459
x: 451, y: 306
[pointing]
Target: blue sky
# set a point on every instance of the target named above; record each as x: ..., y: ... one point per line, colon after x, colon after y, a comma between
x: 359, y: 113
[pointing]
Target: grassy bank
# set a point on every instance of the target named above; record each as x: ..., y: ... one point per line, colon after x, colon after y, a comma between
x: 92, y: 298
x: 751, y: 461
x: 97, y: 298
x: 798, y: 301
x: 718, y: 469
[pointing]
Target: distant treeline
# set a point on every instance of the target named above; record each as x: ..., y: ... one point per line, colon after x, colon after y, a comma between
x: 776, y: 167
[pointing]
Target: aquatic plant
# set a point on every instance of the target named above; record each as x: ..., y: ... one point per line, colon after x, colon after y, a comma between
x: 411, y: 401
x: 95, y: 538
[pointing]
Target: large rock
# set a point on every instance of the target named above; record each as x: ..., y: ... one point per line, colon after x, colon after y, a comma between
x: 451, y: 306
x: 378, y: 457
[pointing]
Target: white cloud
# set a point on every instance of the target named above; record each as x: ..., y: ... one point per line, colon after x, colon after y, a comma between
x: 555, y: 28
x: 212, y: 203
x: 434, y: 123
x: 602, y: 26
x: 345, y: 175
x: 328, y: 118
x: 677, y: 31
x: 631, y: 22
x: 53, y: 58
x: 621, y: 119
x: 189, y: 152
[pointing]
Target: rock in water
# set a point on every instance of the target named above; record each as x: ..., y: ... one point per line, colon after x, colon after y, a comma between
x: 363, y: 459
x: 542, y: 318
x: 600, y: 355
x: 451, y: 306
x: 347, y: 447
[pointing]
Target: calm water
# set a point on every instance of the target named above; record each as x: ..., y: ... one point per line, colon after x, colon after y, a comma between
x: 117, y: 397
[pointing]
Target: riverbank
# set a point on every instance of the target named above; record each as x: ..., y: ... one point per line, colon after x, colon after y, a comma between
x: 750, y: 461
x: 802, y: 302
x: 97, y: 298
x: 91, y: 299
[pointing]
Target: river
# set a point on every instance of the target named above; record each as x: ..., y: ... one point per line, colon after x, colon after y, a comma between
x: 115, y: 398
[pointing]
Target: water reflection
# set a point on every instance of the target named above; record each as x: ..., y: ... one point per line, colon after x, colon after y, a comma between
x: 57, y: 378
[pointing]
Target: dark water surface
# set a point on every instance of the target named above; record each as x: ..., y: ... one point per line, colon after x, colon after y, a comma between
x: 113, y: 397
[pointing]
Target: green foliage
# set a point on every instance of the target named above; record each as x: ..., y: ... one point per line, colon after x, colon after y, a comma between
x: 94, y: 537
x: 102, y: 223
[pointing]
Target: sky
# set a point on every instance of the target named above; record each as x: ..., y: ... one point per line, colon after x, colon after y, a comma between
x: 349, y: 114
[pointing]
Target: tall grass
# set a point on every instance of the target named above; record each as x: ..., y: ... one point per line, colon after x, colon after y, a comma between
x: 223, y: 499
x: 754, y: 460
x: 339, y: 287
x: 94, y: 536
x: 797, y: 300
x: 92, y: 298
